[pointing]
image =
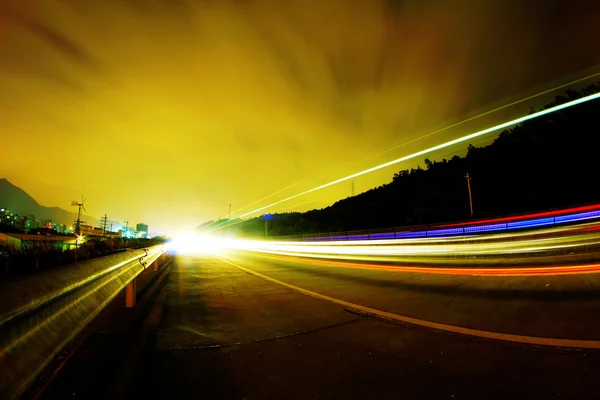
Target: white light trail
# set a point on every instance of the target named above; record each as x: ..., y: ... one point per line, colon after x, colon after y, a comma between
x: 514, y: 103
x: 434, y: 148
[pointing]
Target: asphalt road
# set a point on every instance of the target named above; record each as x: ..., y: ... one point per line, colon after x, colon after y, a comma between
x: 216, y: 330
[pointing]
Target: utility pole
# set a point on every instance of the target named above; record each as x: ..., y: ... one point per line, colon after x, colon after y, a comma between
x: 78, y: 223
x: 266, y: 228
x: 470, y: 195
x: 229, y: 220
x: 126, y: 225
x: 352, y: 188
x: 104, y: 224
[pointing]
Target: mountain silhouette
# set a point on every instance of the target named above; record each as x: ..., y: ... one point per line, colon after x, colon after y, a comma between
x: 21, y: 203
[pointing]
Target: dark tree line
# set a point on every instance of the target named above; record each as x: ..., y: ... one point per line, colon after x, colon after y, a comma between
x: 549, y: 162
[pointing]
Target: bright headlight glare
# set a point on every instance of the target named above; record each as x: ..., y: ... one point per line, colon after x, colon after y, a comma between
x: 196, y: 244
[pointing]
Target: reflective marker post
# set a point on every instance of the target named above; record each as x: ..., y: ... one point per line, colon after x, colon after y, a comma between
x: 130, y: 292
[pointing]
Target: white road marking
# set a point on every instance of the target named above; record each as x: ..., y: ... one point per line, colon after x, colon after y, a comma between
x: 541, y: 341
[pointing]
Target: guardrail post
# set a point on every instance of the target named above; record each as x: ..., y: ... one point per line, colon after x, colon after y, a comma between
x: 157, y: 263
x: 130, y: 290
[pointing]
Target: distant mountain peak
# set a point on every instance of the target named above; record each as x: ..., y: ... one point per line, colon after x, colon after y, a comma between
x: 21, y: 203
x: 14, y: 197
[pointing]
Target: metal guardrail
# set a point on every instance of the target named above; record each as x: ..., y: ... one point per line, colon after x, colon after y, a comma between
x: 466, y: 228
x: 40, y: 314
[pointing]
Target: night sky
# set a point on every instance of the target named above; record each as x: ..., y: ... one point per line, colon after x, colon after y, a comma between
x: 166, y: 112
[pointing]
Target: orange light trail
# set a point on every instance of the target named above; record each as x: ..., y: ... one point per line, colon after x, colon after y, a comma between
x: 516, y: 271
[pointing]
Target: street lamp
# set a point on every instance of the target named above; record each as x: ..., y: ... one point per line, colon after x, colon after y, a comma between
x: 470, y: 196
x: 267, y: 217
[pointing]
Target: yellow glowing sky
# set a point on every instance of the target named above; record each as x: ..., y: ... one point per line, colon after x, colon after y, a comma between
x: 166, y: 112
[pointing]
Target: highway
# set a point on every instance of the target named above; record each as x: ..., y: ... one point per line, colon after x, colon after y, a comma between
x: 253, y: 325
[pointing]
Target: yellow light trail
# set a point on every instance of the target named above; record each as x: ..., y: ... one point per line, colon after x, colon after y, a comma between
x: 575, y: 269
x: 228, y: 223
x: 299, y: 204
x: 239, y: 221
x: 266, y: 197
x: 434, y: 148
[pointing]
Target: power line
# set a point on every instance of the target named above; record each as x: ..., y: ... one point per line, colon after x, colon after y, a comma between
x: 435, y: 148
x: 427, y: 135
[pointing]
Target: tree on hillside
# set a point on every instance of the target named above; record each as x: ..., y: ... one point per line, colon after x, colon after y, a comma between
x: 548, y: 162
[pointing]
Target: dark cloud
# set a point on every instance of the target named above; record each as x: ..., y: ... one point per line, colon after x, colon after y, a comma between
x: 63, y: 44
x: 290, y: 65
x: 226, y: 101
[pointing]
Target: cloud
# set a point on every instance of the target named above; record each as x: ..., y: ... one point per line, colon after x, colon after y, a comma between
x: 54, y: 38
x: 197, y: 104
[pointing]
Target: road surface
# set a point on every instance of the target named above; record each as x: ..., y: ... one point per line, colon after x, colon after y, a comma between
x: 227, y: 327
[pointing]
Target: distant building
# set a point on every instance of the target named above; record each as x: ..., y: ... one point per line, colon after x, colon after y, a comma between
x: 113, y: 234
x: 6, y: 216
x: 31, y: 222
x: 22, y: 223
x: 127, y: 232
x: 141, y: 230
x: 88, y: 230
x: 61, y: 228
x: 26, y: 223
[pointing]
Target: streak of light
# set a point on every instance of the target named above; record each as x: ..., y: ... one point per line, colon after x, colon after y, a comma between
x: 483, y: 236
x: 233, y: 222
x: 547, y: 242
x: 299, y: 204
x: 228, y: 222
x: 545, y: 219
x: 420, y: 255
x: 526, y: 216
x: 514, y: 103
x: 434, y: 148
x: 393, y: 252
x: 191, y: 243
x: 266, y: 197
x: 440, y: 270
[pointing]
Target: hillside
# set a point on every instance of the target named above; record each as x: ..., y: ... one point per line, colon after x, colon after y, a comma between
x: 549, y: 162
x: 19, y: 202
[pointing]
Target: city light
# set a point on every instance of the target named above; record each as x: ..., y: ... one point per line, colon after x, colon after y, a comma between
x: 192, y: 244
